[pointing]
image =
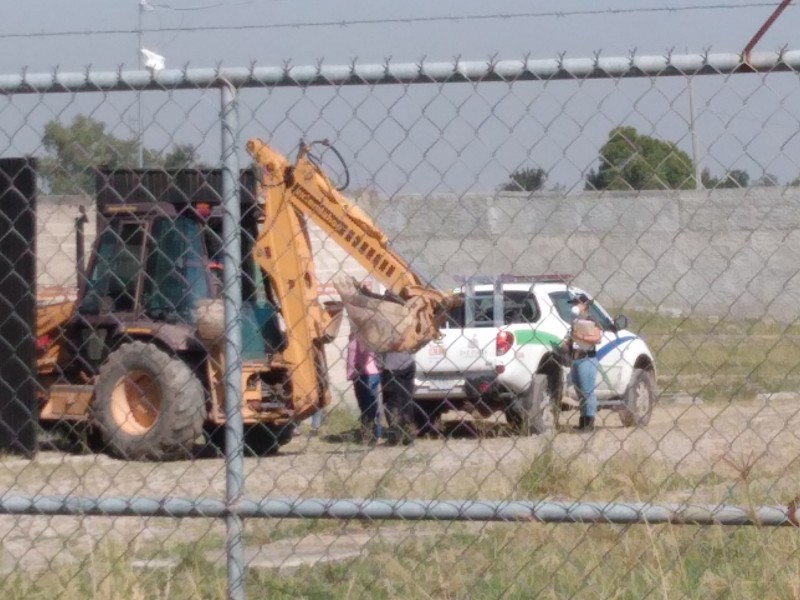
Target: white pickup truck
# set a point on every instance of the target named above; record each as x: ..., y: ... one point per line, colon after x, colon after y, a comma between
x: 499, y: 351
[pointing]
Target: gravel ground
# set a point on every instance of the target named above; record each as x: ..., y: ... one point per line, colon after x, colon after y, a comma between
x: 693, y: 440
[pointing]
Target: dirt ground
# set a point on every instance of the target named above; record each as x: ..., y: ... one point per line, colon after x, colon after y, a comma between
x: 695, y: 440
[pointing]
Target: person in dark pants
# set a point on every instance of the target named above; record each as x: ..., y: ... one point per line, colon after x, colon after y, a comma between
x: 397, y: 384
x: 581, y: 345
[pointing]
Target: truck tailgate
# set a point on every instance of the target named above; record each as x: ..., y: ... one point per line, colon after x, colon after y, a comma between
x: 459, y: 353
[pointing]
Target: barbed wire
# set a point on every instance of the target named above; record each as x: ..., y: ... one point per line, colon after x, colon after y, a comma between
x: 395, y: 20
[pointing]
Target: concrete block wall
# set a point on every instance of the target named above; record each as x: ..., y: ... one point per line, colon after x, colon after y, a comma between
x: 721, y: 252
x: 55, y: 238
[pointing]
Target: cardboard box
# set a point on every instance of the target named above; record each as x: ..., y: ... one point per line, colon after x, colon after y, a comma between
x: 584, y: 327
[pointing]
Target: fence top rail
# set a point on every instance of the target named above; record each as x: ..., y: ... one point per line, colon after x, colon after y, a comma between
x: 526, y: 69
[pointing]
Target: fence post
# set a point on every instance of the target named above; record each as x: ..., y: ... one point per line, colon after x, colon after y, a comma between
x: 232, y: 284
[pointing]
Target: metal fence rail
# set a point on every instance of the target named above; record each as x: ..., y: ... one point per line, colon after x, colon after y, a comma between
x: 405, y: 510
x: 705, y: 265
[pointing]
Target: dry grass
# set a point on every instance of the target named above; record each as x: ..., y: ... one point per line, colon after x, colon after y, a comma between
x: 722, y: 359
x: 486, y: 560
x: 520, y: 560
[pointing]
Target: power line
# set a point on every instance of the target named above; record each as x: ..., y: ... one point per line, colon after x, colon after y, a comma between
x: 398, y: 20
x: 202, y: 7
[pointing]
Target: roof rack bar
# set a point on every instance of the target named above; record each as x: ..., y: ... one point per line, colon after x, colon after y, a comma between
x: 512, y: 278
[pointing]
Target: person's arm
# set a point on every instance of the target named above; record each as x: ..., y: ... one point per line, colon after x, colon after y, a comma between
x: 564, y: 345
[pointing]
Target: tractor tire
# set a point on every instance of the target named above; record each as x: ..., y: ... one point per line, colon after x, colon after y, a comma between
x: 147, y: 404
x: 535, y: 412
x: 639, y: 399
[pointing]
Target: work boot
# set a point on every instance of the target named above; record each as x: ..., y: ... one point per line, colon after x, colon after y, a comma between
x: 581, y: 423
x: 407, y: 438
x: 365, y: 434
x: 409, y: 433
x: 397, y: 436
x: 586, y: 424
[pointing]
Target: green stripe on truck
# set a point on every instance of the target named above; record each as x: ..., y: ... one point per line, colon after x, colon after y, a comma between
x: 536, y: 337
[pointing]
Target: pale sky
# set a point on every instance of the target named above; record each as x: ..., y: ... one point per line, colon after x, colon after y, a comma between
x: 419, y: 138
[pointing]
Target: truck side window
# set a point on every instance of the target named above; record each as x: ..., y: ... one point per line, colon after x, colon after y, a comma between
x: 564, y: 308
x: 599, y: 315
x: 519, y: 307
x: 482, y: 310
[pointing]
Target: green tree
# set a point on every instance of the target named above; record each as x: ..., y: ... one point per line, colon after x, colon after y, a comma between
x: 75, y: 150
x: 631, y: 161
x: 766, y: 180
x: 182, y: 156
x: 735, y: 178
x: 525, y: 180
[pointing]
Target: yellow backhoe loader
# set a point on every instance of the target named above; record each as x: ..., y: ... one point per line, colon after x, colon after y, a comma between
x: 138, y: 354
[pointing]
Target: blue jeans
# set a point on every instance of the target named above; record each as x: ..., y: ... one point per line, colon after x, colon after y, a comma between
x: 316, y: 420
x: 584, y: 376
x: 366, y: 389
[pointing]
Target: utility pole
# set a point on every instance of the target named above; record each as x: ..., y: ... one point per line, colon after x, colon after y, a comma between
x: 140, y: 130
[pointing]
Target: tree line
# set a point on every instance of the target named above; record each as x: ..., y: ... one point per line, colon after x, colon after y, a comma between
x: 633, y: 161
x: 627, y: 161
x: 74, y: 150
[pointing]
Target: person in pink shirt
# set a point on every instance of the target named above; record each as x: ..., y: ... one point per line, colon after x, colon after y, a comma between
x: 363, y: 371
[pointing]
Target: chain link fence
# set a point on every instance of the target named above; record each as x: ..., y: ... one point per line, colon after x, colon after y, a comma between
x: 152, y: 458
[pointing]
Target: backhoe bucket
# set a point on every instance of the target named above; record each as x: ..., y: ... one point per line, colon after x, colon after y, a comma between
x: 386, y: 325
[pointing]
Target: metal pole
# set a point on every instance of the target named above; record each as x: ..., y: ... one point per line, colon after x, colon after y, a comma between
x: 763, y: 29
x: 232, y: 284
x: 698, y: 172
x: 80, y: 248
x: 139, y: 131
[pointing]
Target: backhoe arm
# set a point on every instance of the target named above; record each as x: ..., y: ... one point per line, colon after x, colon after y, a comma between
x: 405, y: 323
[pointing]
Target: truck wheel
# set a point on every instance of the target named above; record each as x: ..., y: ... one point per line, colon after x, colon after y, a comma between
x: 535, y: 411
x: 147, y: 405
x: 639, y: 399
